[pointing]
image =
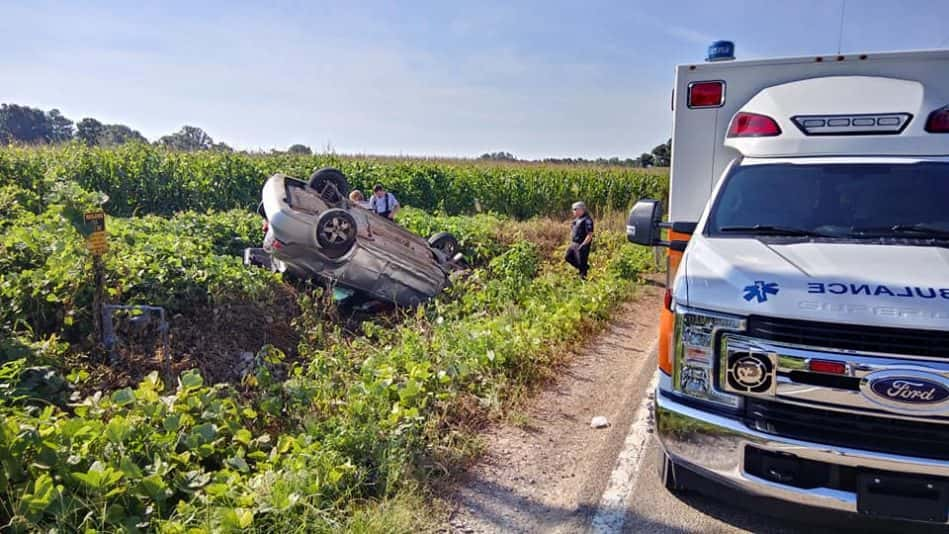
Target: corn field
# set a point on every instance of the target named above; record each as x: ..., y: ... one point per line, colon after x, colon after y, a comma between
x: 141, y: 179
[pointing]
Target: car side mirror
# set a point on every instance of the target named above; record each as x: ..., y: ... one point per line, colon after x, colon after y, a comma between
x: 642, y: 226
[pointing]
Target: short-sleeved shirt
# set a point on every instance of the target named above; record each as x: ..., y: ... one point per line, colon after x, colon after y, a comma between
x: 581, y: 228
x: 383, y: 205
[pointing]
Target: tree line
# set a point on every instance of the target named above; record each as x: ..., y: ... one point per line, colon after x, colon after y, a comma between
x: 660, y: 156
x: 31, y: 126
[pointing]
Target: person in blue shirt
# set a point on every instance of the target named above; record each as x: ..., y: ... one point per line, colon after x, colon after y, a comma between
x: 383, y: 202
x: 581, y: 236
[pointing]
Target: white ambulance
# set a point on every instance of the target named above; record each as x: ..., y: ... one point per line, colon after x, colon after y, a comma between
x: 804, y: 341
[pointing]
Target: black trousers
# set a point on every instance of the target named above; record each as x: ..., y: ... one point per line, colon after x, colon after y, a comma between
x: 579, y: 257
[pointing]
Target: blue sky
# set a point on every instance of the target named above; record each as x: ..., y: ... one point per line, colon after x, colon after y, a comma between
x: 537, y: 79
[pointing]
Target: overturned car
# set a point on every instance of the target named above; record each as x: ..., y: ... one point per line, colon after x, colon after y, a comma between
x: 313, y: 230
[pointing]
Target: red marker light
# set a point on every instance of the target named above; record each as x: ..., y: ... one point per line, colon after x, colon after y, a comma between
x: 938, y: 121
x: 667, y: 300
x: 706, y: 94
x: 753, y: 125
x: 827, y: 366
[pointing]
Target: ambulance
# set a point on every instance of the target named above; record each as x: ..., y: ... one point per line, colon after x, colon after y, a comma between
x: 803, y: 349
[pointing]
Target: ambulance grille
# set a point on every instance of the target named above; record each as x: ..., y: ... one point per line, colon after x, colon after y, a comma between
x: 848, y: 429
x: 897, y: 341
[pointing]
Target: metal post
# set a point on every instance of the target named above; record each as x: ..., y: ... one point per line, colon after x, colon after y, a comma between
x: 94, y: 230
x: 98, y: 275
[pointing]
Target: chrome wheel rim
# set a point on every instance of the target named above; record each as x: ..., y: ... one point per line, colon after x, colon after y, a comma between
x: 337, y: 230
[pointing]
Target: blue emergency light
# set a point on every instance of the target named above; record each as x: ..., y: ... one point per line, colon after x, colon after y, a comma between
x: 721, y: 51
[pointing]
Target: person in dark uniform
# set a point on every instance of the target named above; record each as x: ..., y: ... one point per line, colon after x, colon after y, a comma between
x: 581, y: 235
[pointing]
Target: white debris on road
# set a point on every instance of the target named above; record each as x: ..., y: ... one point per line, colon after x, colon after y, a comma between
x: 611, y: 513
x: 599, y: 422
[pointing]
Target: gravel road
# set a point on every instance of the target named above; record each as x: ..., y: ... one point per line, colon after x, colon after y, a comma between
x: 554, y: 473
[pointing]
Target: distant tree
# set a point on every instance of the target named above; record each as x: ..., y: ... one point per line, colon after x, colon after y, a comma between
x: 222, y: 147
x: 647, y: 160
x: 60, y: 128
x: 498, y: 156
x: 188, y: 139
x: 89, y: 131
x: 28, y: 125
x: 299, y: 150
x: 24, y: 124
x: 119, y: 134
x: 663, y: 154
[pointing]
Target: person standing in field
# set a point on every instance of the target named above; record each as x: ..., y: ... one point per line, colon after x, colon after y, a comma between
x: 383, y: 202
x: 581, y: 236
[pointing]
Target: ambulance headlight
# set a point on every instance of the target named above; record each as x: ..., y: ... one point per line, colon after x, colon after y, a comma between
x: 695, y: 364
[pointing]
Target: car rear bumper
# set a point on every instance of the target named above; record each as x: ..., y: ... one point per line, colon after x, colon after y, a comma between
x: 714, y: 446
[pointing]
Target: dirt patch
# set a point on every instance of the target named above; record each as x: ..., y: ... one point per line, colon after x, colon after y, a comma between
x: 546, y: 473
x: 548, y: 234
x: 220, y: 341
x: 215, y: 340
x: 552, y: 235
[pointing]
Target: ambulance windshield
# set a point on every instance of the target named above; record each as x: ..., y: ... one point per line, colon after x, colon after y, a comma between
x: 845, y: 200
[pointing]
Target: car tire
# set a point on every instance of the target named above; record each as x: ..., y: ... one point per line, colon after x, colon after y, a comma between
x: 446, y: 243
x: 331, y: 184
x: 667, y: 474
x: 335, y: 231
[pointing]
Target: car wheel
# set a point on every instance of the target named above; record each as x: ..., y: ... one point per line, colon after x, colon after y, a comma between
x: 336, y: 231
x: 445, y: 243
x: 331, y: 184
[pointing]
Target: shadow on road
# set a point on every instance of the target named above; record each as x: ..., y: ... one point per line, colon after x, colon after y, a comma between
x: 757, y: 514
x: 488, y: 507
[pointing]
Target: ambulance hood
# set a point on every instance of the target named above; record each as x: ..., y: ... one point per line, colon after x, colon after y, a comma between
x: 858, y: 283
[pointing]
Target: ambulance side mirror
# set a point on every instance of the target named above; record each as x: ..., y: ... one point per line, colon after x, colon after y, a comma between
x: 642, y: 226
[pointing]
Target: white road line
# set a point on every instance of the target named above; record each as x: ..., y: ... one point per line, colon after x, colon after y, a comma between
x: 611, y: 513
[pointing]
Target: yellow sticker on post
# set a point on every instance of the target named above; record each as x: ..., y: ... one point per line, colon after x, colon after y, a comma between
x: 96, y: 238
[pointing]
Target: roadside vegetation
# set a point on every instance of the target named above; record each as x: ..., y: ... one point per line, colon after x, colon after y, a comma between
x: 308, y: 420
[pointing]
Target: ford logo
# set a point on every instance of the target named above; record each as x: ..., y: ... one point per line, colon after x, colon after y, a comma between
x: 913, y: 390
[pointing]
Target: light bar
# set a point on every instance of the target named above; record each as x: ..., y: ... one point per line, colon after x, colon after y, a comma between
x: 864, y: 124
